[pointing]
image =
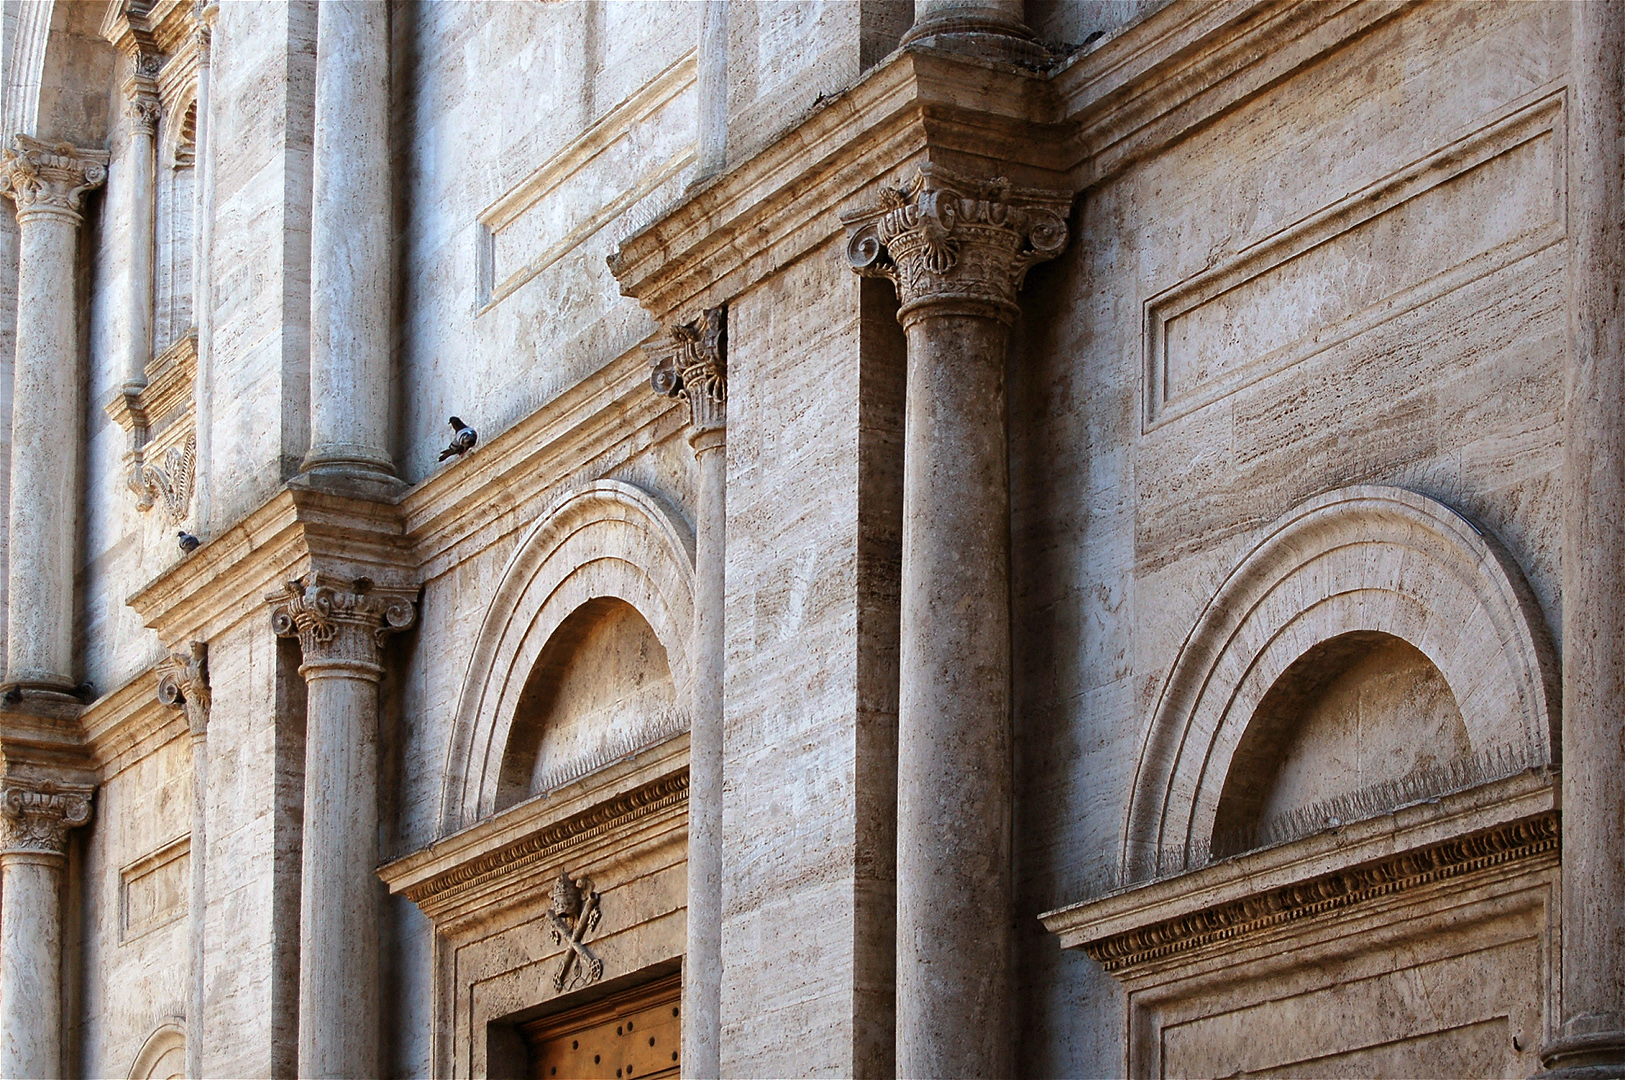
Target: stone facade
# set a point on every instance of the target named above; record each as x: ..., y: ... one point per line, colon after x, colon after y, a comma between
x: 1065, y: 537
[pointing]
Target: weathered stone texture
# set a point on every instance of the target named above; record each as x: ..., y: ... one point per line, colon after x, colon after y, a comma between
x: 1310, y: 275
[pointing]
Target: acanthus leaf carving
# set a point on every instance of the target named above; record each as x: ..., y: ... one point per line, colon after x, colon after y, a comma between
x: 690, y: 362
x: 183, y: 683
x: 948, y: 238
x: 35, y: 815
x: 169, y: 485
x: 339, y: 621
x: 43, y: 177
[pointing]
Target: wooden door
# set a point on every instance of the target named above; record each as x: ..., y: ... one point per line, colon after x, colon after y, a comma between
x: 630, y: 1036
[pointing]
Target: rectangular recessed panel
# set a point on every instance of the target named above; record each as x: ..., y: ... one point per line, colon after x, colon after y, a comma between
x: 154, y: 889
x: 1455, y: 1016
x: 1473, y: 207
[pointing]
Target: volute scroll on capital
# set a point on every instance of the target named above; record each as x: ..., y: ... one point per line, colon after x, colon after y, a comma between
x: 945, y: 239
x: 43, y: 177
x: 35, y: 815
x: 340, y: 621
x: 690, y: 362
x: 183, y: 683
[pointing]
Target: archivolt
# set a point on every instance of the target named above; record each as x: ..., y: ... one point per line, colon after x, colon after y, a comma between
x: 607, y: 539
x: 1359, y: 558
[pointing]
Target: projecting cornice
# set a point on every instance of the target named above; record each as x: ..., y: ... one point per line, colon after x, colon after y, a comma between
x: 298, y: 530
x: 1126, y: 97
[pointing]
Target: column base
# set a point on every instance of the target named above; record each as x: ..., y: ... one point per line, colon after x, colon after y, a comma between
x: 1595, y: 1055
x: 42, y: 696
x: 362, y: 478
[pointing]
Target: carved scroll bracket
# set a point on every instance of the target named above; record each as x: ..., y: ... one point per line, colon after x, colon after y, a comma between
x: 183, y: 683
x: 340, y: 623
x: 160, y: 418
x: 953, y: 243
x: 690, y: 362
x: 35, y: 815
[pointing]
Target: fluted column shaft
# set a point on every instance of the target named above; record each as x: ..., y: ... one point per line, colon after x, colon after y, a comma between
x: 1591, y: 1041
x: 957, y: 250
x: 47, y: 183
x: 34, y: 821
x: 350, y: 295
x: 135, y: 336
x: 341, y: 628
x: 691, y: 364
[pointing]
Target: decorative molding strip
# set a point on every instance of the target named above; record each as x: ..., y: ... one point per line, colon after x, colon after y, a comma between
x: 498, y: 281
x: 665, y: 793
x: 160, y: 421
x: 1408, y: 870
x: 1513, y: 160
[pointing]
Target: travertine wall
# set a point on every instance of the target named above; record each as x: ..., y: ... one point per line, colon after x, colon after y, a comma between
x: 1350, y: 274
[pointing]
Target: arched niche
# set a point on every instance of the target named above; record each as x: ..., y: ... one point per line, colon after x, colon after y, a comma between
x: 607, y: 541
x: 162, y: 1056
x: 59, y: 73
x: 601, y: 688
x: 1349, y: 570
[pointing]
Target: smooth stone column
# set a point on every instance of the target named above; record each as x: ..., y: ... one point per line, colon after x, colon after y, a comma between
x: 183, y: 683
x: 35, y: 817
x: 350, y: 295
x: 691, y: 364
x: 135, y: 337
x: 1591, y: 1040
x: 957, y: 249
x: 341, y: 626
x: 47, y: 183
x: 202, y: 283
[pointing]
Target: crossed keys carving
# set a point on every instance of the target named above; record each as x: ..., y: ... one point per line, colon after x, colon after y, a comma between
x: 574, y: 913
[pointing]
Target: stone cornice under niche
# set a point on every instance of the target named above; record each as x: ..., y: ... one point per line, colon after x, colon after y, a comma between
x: 504, y: 856
x: 1451, y: 836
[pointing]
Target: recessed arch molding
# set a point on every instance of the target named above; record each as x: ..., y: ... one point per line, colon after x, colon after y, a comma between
x: 607, y: 539
x: 1357, y: 559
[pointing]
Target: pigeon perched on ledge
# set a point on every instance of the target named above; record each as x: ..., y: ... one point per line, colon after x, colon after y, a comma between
x: 189, y: 543
x: 462, y: 442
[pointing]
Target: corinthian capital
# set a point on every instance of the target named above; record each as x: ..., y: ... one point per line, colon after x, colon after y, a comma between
x: 35, y: 815
x: 49, y: 178
x: 690, y: 362
x: 951, y: 240
x: 339, y: 623
x: 183, y: 683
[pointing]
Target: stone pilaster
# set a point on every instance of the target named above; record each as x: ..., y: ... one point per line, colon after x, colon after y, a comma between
x: 47, y: 182
x: 202, y: 292
x: 35, y: 818
x: 957, y: 249
x: 1590, y: 1043
x: 341, y: 626
x: 183, y: 683
x: 351, y: 252
x: 691, y: 363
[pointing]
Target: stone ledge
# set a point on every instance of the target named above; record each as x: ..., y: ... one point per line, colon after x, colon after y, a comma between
x: 514, y: 853
x: 1450, y: 836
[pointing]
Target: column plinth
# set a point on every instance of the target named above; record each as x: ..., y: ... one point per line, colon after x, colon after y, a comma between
x: 957, y: 249
x: 35, y: 817
x: 690, y: 363
x: 341, y: 626
x: 47, y: 182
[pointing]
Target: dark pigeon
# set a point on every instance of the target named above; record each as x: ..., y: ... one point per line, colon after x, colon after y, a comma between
x: 189, y: 543
x: 462, y: 442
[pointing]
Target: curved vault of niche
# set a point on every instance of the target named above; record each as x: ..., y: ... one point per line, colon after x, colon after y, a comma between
x: 1357, y: 721
x: 608, y: 539
x: 1360, y: 560
x: 600, y: 690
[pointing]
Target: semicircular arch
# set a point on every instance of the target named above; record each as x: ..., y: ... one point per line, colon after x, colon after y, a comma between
x: 163, y: 1054
x: 608, y: 539
x: 1365, y: 559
